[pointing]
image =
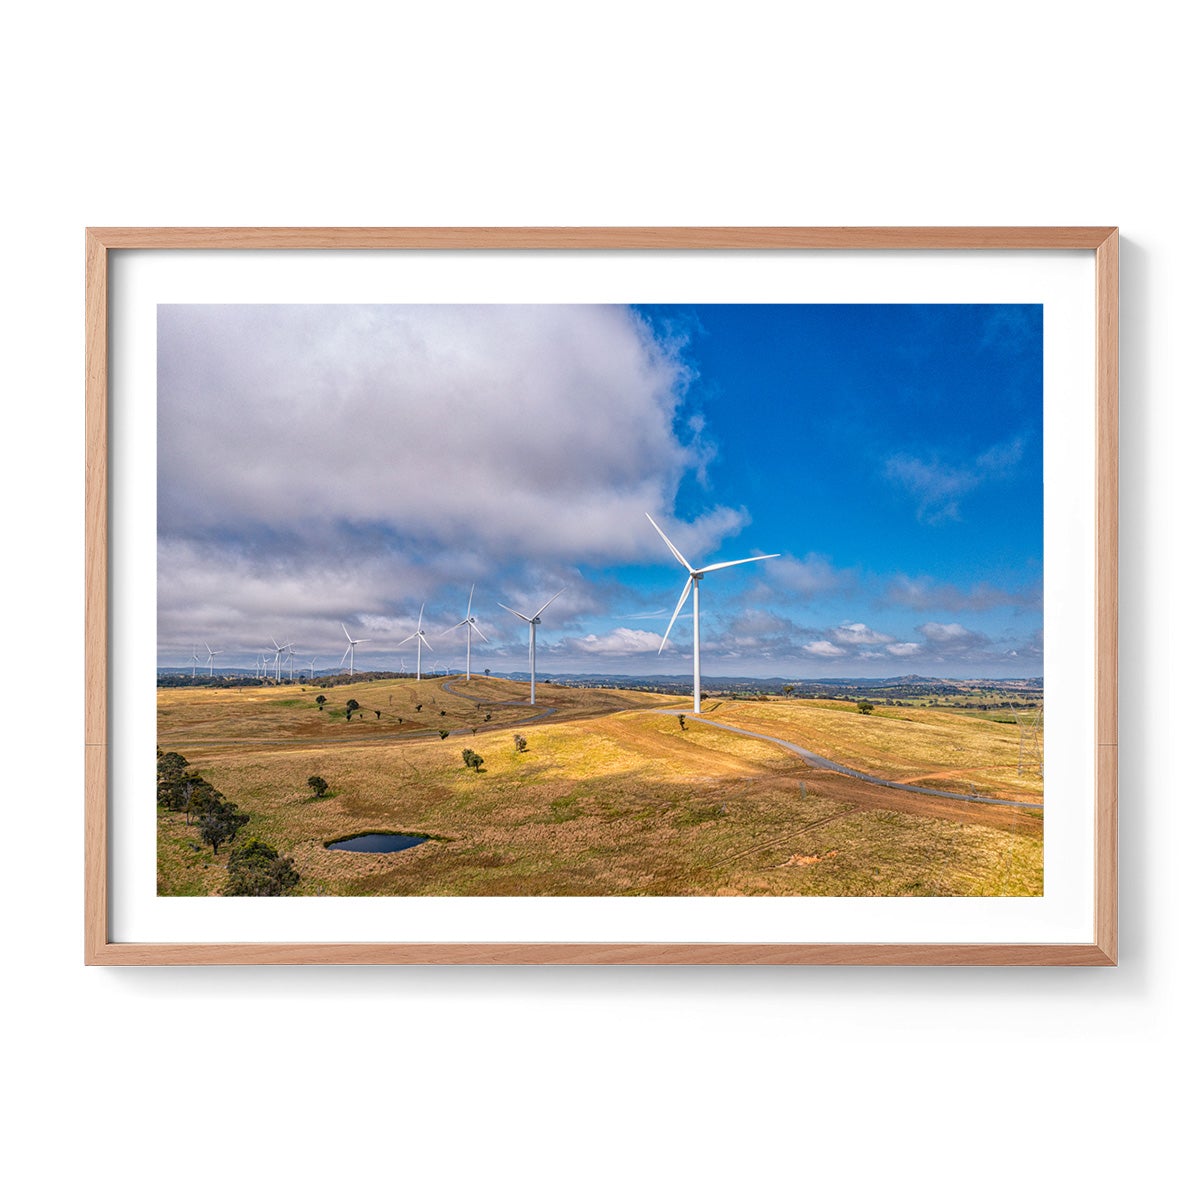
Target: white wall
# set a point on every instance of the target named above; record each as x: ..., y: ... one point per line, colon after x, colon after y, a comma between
x: 590, y: 1081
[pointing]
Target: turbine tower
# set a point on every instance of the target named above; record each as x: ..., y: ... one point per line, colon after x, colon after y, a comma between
x: 695, y: 574
x: 420, y: 638
x: 350, y: 649
x: 533, y: 622
x: 212, y: 654
x: 469, y: 622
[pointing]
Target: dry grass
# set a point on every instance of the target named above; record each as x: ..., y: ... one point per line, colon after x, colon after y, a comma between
x: 610, y: 799
x: 954, y: 751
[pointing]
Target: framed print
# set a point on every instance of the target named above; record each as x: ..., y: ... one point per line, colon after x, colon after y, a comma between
x: 662, y: 595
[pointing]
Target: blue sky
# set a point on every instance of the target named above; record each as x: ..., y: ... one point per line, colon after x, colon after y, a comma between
x: 320, y: 465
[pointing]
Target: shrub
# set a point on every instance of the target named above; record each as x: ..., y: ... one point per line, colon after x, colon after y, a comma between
x: 520, y: 743
x: 318, y: 785
x: 472, y: 759
x: 865, y: 706
x: 256, y: 869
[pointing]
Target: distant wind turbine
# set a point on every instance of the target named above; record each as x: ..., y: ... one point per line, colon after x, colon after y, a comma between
x: 312, y: 667
x: 419, y: 635
x: 695, y: 574
x: 469, y: 622
x: 280, y: 651
x: 212, y: 654
x: 533, y: 622
x: 195, y: 660
x: 350, y: 649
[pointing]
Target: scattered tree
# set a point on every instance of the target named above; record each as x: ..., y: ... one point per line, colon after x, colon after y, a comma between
x: 220, y: 822
x: 351, y: 705
x: 788, y: 689
x: 472, y: 759
x: 487, y: 716
x: 442, y: 713
x: 865, y: 706
x: 682, y: 722
x: 257, y: 869
x: 520, y: 743
x: 321, y: 702
x: 378, y: 714
x: 419, y: 708
x: 443, y: 734
x: 487, y: 671
x: 318, y: 785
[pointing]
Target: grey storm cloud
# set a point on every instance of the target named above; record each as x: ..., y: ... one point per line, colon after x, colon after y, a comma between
x: 320, y: 460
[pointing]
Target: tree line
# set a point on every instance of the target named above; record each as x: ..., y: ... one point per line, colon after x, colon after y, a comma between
x: 255, y: 867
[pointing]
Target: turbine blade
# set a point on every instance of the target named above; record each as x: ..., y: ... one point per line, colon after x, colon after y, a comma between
x: 346, y: 632
x: 344, y: 656
x: 737, y: 562
x: 670, y: 547
x: 480, y: 632
x: 425, y: 642
x: 687, y: 587
x: 408, y: 639
x: 454, y: 627
x: 469, y: 599
x: 549, y: 602
x: 420, y: 618
x: 514, y: 612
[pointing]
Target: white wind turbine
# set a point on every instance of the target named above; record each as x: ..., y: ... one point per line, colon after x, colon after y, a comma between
x: 533, y: 622
x: 419, y: 635
x: 280, y: 651
x: 350, y: 649
x: 212, y: 654
x: 312, y: 668
x: 469, y: 622
x: 695, y: 574
x: 195, y: 660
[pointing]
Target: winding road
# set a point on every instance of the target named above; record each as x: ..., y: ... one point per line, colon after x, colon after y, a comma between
x: 827, y: 764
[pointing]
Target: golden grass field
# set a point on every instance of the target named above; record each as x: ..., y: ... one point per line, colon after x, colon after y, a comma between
x: 611, y: 798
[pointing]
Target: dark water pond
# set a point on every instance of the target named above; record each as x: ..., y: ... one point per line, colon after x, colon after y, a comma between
x: 377, y: 843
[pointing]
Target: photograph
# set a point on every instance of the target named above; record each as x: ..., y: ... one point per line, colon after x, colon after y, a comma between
x: 600, y: 600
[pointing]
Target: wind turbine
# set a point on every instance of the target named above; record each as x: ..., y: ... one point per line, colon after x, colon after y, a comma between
x: 350, y: 649
x: 420, y: 637
x: 534, y: 622
x: 212, y: 654
x: 695, y: 574
x: 469, y: 622
x: 280, y: 651
x: 312, y: 667
x: 291, y: 656
x: 195, y: 660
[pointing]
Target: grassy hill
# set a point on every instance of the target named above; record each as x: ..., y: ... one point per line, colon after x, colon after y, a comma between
x: 611, y: 797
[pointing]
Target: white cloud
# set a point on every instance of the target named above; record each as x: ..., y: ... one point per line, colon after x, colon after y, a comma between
x: 824, y: 649
x: 938, y: 486
x: 857, y: 634
x: 925, y: 594
x: 619, y: 641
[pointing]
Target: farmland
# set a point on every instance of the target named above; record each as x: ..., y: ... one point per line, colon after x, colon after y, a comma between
x: 612, y: 795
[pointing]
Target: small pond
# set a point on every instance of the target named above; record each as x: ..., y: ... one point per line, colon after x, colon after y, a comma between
x: 377, y: 843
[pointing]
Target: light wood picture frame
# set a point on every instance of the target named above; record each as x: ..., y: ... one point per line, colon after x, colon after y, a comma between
x: 102, y: 244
